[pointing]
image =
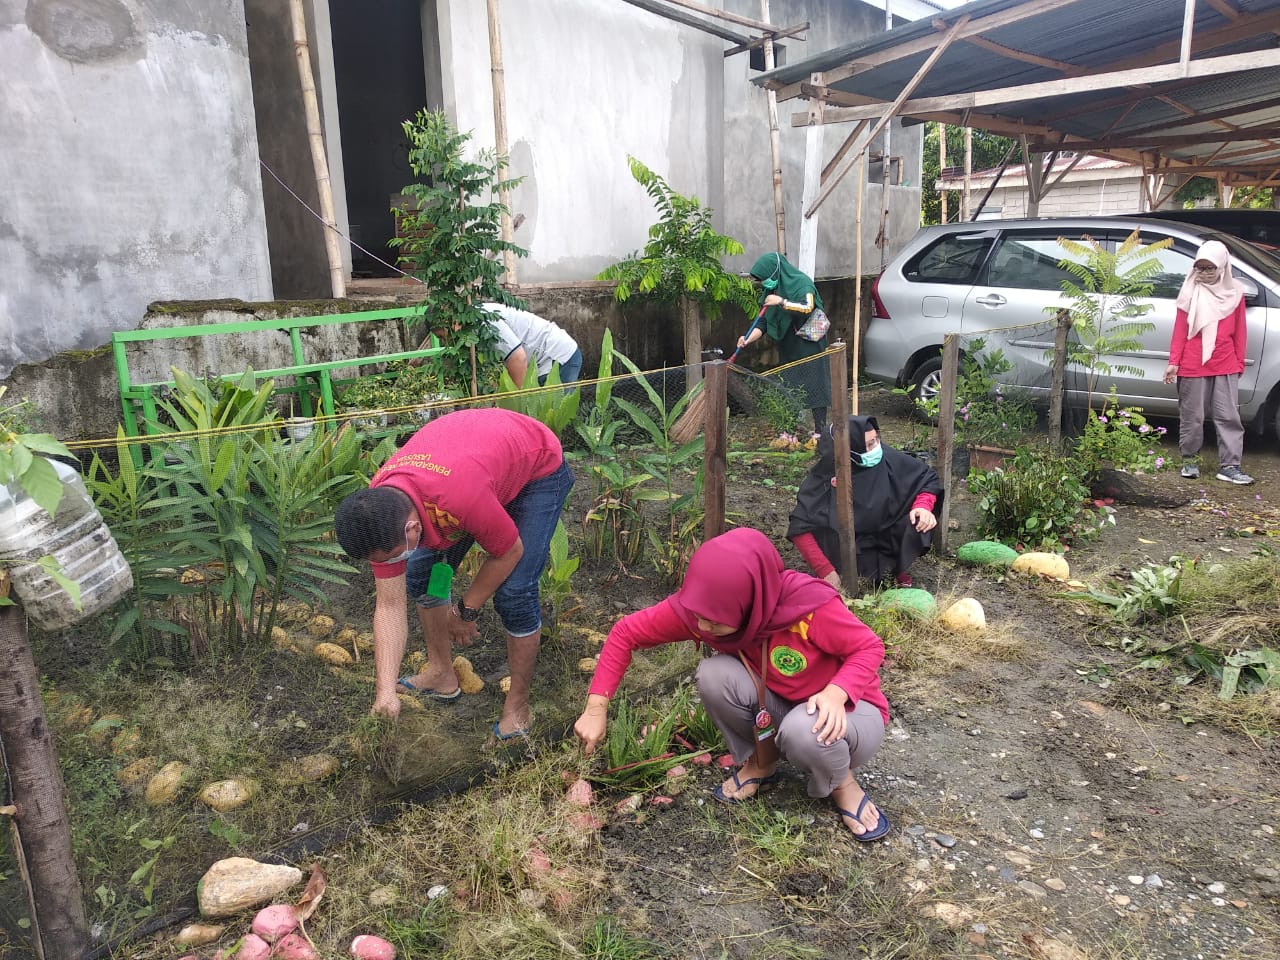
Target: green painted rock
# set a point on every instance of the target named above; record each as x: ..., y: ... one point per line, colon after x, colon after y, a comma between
x: 910, y: 600
x: 986, y: 553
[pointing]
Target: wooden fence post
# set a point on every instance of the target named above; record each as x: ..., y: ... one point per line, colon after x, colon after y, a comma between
x: 42, y: 830
x: 715, y: 447
x: 947, y: 432
x: 1059, y: 381
x: 844, y: 468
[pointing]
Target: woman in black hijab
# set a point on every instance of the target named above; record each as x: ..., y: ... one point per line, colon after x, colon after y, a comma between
x: 895, y: 500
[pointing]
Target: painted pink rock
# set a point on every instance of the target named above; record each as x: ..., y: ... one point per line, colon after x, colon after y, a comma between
x: 275, y: 921
x: 367, y: 947
x: 295, y: 947
x: 579, y: 793
x: 661, y: 801
x: 677, y: 771
x: 725, y: 761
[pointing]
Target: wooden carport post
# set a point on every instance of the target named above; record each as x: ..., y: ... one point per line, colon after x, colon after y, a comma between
x: 714, y: 447
x: 1059, y: 381
x: 947, y: 431
x: 844, y: 468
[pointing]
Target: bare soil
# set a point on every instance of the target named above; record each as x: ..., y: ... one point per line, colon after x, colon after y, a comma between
x: 1061, y: 804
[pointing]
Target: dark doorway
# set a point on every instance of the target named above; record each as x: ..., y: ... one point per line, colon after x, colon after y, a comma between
x: 380, y: 80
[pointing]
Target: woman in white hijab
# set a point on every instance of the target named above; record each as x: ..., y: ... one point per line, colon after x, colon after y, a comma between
x: 1206, y: 358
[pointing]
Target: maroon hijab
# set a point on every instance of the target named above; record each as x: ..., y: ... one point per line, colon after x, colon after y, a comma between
x: 738, y: 578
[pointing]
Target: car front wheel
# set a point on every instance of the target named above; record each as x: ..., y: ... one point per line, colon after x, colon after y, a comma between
x: 926, y: 382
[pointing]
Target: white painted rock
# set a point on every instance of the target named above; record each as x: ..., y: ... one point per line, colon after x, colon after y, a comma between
x: 223, y: 795
x: 198, y: 934
x: 1051, y: 565
x: 965, y: 614
x: 239, y: 883
x: 164, y: 785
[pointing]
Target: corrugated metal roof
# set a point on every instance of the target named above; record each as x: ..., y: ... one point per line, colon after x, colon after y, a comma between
x: 1076, y: 38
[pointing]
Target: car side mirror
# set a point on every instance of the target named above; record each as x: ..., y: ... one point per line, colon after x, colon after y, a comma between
x: 1250, y: 288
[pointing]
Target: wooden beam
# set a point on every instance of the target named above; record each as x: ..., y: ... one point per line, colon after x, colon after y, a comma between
x: 1224, y: 8
x: 1244, y: 28
x: 840, y: 98
x: 1188, y: 30
x: 883, y: 122
x: 1183, y: 140
x: 724, y: 15
x: 843, y: 149
x: 1206, y: 117
x: 791, y: 31
x: 1067, y: 86
x: 1021, y: 56
x: 912, y: 48
x: 689, y: 21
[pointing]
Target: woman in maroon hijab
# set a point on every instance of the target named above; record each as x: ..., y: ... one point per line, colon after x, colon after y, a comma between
x: 793, y: 673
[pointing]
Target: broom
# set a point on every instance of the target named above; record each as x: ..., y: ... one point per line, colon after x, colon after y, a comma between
x: 691, y: 422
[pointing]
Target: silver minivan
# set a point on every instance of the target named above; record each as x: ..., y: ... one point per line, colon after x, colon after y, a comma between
x: 969, y: 277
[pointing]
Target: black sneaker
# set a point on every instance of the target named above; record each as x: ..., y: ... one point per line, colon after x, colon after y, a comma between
x: 1190, y: 471
x: 1234, y: 475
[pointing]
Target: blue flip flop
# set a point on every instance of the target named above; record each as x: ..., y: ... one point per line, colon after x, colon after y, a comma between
x: 426, y: 693
x: 499, y: 735
x: 876, y: 832
x: 723, y: 797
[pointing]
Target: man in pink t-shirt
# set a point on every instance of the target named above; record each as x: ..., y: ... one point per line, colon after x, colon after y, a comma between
x: 489, y: 477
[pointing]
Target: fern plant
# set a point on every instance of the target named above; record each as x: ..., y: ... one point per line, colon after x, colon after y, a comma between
x: 681, y: 264
x: 1105, y: 305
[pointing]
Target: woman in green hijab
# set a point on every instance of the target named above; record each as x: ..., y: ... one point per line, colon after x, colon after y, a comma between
x: 796, y: 321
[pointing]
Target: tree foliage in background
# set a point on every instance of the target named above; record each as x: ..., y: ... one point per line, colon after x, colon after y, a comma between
x: 452, y: 231
x: 682, y: 262
x: 988, y: 151
x: 1202, y: 188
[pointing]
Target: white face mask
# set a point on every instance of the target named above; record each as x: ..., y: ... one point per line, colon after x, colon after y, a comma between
x: 401, y: 557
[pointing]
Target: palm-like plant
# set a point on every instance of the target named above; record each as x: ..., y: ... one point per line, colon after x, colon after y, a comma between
x: 1105, y: 305
x: 681, y: 264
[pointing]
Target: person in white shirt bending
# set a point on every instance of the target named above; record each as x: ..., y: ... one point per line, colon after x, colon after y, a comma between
x: 526, y: 339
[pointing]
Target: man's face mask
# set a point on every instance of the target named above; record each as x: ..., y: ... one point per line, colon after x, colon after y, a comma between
x: 401, y: 557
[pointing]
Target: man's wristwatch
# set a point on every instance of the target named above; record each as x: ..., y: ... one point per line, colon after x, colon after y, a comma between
x: 465, y: 614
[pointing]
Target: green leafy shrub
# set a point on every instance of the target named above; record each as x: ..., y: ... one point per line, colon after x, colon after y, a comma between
x: 451, y: 229
x: 1122, y: 437
x: 1037, y: 501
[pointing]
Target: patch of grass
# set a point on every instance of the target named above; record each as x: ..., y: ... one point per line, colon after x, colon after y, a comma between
x: 775, y: 838
x: 606, y: 939
x: 921, y: 652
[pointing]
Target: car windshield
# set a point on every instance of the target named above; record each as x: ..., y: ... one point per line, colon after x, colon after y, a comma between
x: 1245, y: 252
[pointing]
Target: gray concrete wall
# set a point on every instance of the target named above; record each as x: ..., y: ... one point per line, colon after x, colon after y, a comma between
x: 588, y: 83
x: 129, y: 164
x: 748, y: 213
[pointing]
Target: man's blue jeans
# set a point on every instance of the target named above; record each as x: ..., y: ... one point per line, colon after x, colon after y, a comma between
x: 536, y: 511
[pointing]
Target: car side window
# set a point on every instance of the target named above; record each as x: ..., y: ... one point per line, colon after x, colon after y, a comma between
x: 955, y: 258
x: 1175, y: 264
x: 1029, y: 261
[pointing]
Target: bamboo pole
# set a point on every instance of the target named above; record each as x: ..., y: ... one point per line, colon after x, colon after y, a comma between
x: 337, y: 280
x: 715, y: 448
x: 857, y: 277
x: 844, y: 471
x: 498, y: 79
x: 942, y: 168
x: 775, y: 147
x: 968, y: 174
